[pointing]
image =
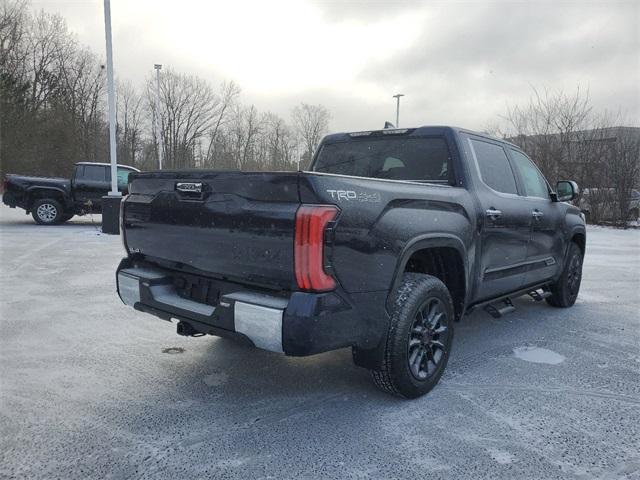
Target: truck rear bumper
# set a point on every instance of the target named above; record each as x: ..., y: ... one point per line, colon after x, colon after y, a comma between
x: 297, y: 324
x: 10, y: 200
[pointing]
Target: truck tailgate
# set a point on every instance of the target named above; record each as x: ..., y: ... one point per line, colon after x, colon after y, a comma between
x: 231, y: 225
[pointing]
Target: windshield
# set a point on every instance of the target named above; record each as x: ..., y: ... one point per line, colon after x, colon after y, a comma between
x: 418, y: 159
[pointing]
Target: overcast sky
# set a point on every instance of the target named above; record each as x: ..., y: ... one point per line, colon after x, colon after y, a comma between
x: 458, y: 63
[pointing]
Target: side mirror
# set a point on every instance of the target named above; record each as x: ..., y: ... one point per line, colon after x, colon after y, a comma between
x: 566, y: 190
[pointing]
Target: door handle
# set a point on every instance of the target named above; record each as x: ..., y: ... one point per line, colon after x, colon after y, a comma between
x: 493, y: 214
x: 537, y: 214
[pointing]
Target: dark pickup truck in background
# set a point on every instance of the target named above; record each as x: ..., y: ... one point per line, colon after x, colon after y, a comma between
x: 391, y: 236
x: 56, y: 200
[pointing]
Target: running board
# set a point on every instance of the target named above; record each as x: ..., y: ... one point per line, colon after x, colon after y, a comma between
x: 499, y: 309
x: 539, y: 295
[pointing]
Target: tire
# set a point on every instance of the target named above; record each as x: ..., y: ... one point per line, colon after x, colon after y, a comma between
x: 419, y: 338
x: 565, y: 291
x: 47, y: 211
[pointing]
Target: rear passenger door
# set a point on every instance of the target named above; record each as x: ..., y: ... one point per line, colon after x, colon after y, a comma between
x: 505, y: 223
x: 545, y: 252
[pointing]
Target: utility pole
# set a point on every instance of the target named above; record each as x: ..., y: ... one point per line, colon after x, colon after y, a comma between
x: 158, y: 67
x: 111, y: 202
x: 397, y: 97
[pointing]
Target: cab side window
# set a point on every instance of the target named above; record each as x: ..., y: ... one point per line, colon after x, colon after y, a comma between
x: 94, y: 173
x: 494, y: 166
x: 123, y: 177
x: 535, y: 184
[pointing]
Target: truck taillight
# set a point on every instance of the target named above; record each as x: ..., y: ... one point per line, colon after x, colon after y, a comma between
x: 311, y: 222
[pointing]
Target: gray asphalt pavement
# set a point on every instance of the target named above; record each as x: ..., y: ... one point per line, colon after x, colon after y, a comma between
x: 92, y: 389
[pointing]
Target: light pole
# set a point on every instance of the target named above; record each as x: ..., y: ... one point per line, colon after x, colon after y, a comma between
x: 397, y: 97
x: 111, y: 101
x: 111, y: 202
x: 158, y: 67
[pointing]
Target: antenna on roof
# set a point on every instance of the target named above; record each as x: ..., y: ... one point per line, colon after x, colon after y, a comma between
x: 389, y: 125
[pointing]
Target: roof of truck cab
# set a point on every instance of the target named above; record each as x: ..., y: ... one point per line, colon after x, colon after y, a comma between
x: 422, y: 130
x: 102, y: 164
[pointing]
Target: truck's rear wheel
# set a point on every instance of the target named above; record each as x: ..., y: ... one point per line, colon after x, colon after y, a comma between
x: 419, y: 338
x: 565, y: 291
x: 47, y: 211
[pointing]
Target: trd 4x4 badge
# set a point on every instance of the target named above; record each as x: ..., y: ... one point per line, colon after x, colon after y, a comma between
x: 350, y: 195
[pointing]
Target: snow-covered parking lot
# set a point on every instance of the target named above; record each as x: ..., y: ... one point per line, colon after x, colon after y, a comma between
x: 92, y: 389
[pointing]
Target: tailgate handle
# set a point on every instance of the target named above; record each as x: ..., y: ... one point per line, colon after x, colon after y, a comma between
x: 192, y: 190
x: 189, y: 187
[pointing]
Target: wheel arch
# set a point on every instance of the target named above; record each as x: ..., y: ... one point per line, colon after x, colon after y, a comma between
x: 432, y: 254
x: 580, y: 239
x: 36, y: 193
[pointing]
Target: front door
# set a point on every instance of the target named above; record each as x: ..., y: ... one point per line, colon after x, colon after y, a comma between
x: 505, y: 226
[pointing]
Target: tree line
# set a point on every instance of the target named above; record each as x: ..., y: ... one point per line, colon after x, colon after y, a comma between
x: 53, y: 111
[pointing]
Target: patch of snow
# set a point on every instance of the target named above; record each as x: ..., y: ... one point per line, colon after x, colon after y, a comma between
x: 595, y: 297
x: 538, y: 355
x: 232, y: 462
x: 500, y: 456
x: 215, y: 379
x: 93, y: 232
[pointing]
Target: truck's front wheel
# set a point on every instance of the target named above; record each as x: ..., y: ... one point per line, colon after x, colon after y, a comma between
x: 565, y: 291
x: 47, y: 211
x: 419, y: 338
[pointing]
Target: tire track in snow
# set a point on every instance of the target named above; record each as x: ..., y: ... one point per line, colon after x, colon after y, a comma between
x: 462, y: 387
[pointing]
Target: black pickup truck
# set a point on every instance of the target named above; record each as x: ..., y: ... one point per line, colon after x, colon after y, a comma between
x: 56, y: 200
x: 391, y: 237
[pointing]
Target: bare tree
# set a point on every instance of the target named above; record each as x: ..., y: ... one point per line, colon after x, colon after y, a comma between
x: 546, y: 125
x: 243, y: 134
x: 129, y: 123
x: 278, y: 143
x: 311, y: 123
x: 188, y: 109
x: 51, y: 95
x: 228, y: 97
x: 13, y: 87
x: 13, y: 25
